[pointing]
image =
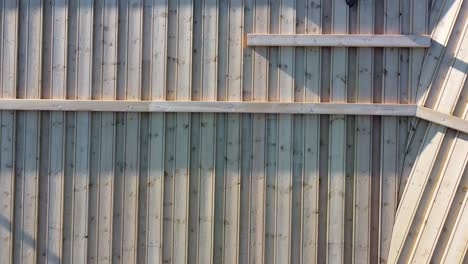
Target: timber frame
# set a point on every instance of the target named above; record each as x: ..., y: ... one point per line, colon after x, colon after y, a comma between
x: 369, y: 109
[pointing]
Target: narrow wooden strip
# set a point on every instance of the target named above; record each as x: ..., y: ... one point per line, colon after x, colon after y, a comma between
x: 339, y: 40
x: 442, y: 119
x: 209, y: 107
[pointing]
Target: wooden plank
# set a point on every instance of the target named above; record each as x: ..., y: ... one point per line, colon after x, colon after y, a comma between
x: 339, y: 40
x: 155, y: 200
x: 208, y: 134
x: 440, y: 36
x: 233, y: 134
x: 28, y: 131
x: 54, y: 86
x: 79, y: 87
x: 182, y: 146
x: 311, y: 136
x: 337, y: 147
x: 209, y: 107
x: 389, y: 133
x: 442, y: 119
x: 258, y: 181
x: 130, y: 41
x: 8, y: 64
x: 105, y: 89
x: 363, y: 137
x: 439, y: 205
x: 456, y: 249
x: 285, y: 142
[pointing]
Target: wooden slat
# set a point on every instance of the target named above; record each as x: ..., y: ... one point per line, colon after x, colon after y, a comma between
x: 389, y: 133
x: 258, y: 181
x: 8, y: 70
x: 285, y: 143
x: 155, y: 199
x: 311, y: 136
x: 233, y: 134
x: 337, y: 145
x: 363, y: 140
x: 28, y: 132
x: 54, y: 86
x: 182, y: 145
x: 216, y: 107
x: 339, y: 40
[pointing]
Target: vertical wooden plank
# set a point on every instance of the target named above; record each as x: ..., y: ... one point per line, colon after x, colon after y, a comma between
x: 105, y: 13
x: 362, y: 177
x: 8, y: 63
x: 246, y: 135
x: 55, y: 88
x: 28, y: 132
x: 181, y: 177
x: 310, y: 187
x: 284, y: 148
x: 245, y: 182
x: 79, y: 87
x: 297, y: 130
x: 156, y: 134
x: 131, y: 41
x: 208, y: 136
x: 258, y: 183
x: 270, y: 193
x: 389, y: 156
x: 170, y: 136
x: 336, y: 176
x: 232, y: 170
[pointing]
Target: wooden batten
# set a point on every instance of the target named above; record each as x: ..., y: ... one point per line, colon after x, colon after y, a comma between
x: 339, y: 40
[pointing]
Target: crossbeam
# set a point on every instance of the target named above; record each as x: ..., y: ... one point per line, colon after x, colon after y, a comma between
x: 237, y: 107
x: 208, y: 107
x: 306, y: 40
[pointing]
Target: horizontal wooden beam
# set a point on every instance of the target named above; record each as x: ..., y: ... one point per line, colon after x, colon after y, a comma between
x: 208, y: 107
x: 237, y: 107
x: 442, y: 119
x: 385, y: 41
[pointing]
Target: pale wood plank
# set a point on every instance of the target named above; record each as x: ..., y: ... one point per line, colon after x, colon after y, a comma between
x: 310, y: 190
x: 131, y: 42
x: 79, y: 87
x: 339, y: 40
x: 456, y: 249
x: 233, y: 134
x: 157, y: 134
x: 181, y: 173
x: 439, y: 205
x: 363, y: 152
x: 390, y: 130
x: 8, y: 62
x: 337, y: 147
x: 27, y: 167
x: 258, y: 182
x: 54, y: 86
x: 284, y: 147
x: 208, y: 133
x: 440, y: 36
x: 107, y: 136
x: 209, y: 107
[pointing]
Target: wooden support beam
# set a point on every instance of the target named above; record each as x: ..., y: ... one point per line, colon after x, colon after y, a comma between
x: 208, y: 107
x: 446, y: 120
x: 303, y: 40
x: 236, y: 107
